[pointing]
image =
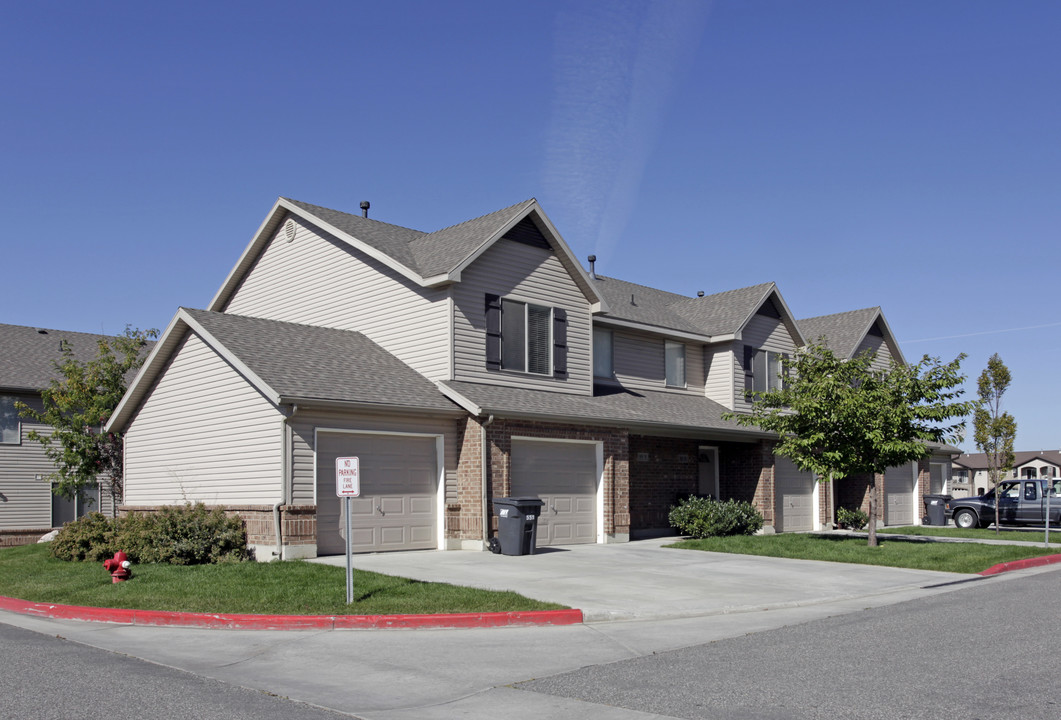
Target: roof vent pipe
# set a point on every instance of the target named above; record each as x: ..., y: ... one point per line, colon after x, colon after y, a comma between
x: 699, y: 293
x: 364, y: 208
x: 592, y: 272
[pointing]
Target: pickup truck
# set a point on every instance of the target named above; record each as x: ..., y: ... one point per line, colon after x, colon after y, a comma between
x: 1020, y: 502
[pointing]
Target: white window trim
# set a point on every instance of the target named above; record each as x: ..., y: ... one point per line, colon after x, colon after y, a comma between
x: 526, y: 337
x: 667, y: 344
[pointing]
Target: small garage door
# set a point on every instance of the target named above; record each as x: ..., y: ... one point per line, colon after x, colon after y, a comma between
x: 564, y: 476
x: 398, y: 506
x: 795, y: 497
x: 899, y: 495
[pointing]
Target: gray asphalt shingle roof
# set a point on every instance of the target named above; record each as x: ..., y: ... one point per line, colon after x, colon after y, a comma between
x: 842, y: 331
x: 719, y: 314
x: 426, y: 253
x: 306, y: 362
x: 619, y: 406
x: 28, y: 355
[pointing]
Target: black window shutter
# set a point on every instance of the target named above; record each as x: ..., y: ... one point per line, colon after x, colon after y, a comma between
x: 749, y: 354
x: 493, y: 332
x: 559, y: 343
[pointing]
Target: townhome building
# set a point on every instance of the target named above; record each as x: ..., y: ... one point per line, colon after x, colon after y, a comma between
x: 475, y: 362
x: 970, y: 474
x: 28, y: 507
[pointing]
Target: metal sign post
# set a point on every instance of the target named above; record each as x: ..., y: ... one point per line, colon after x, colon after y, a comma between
x: 348, y: 486
x: 1048, y: 486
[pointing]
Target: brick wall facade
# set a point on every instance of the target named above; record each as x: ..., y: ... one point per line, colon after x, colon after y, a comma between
x: 664, y: 470
x: 468, y: 516
x: 28, y: 536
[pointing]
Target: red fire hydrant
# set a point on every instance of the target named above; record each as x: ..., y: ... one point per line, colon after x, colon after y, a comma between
x: 118, y: 567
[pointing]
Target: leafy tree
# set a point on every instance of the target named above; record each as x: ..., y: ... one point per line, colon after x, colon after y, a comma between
x: 78, y: 403
x: 993, y: 430
x: 840, y: 418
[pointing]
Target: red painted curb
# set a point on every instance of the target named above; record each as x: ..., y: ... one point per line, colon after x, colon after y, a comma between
x: 1021, y: 564
x: 289, y: 622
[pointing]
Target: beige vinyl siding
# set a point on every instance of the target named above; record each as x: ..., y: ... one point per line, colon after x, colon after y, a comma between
x: 639, y: 362
x: 203, y: 434
x: 318, y: 280
x: 529, y: 274
x: 302, y: 455
x: 761, y: 332
x: 722, y: 365
x: 26, y: 502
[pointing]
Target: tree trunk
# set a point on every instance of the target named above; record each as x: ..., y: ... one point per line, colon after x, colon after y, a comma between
x: 872, y: 542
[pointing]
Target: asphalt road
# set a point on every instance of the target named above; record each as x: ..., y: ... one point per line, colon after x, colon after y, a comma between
x: 935, y: 657
x: 48, y: 678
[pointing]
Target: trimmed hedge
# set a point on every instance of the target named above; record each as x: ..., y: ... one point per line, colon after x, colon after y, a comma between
x: 701, y: 517
x: 177, y: 534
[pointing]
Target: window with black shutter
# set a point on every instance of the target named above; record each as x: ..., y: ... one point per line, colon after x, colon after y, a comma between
x: 525, y: 338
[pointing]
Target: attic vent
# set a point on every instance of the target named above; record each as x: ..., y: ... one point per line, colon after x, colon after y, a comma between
x: 42, y: 331
x: 289, y: 230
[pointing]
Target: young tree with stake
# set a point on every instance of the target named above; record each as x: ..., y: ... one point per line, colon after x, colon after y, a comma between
x: 994, y: 431
x: 841, y: 418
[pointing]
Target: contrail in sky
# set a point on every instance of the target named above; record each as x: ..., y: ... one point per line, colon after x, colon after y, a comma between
x: 616, y: 66
x: 985, y: 332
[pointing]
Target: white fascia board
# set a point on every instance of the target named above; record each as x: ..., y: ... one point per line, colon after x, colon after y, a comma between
x: 216, y: 345
x: 455, y: 273
x: 889, y: 336
x: 145, y: 376
x: 654, y: 329
x: 574, y: 266
x: 249, y: 253
x: 354, y: 242
x: 264, y: 234
x: 458, y: 398
x: 786, y: 315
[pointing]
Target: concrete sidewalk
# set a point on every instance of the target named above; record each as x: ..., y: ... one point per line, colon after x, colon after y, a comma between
x: 642, y: 580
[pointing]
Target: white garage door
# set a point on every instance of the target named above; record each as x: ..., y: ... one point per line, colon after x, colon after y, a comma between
x: 398, y: 506
x: 794, y: 490
x: 564, y: 476
x: 899, y: 495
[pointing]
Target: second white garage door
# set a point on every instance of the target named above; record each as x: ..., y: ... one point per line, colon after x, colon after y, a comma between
x: 899, y: 495
x: 794, y: 490
x: 398, y: 505
x: 564, y: 476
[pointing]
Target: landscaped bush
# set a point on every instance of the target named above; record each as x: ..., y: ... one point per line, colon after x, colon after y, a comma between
x: 178, y: 535
x: 87, y: 538
x: 851, y: 519
x: 701, y: 517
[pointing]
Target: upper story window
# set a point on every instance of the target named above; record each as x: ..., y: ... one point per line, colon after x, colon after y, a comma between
x: 524, y: 337
x: 603, y: 365
x: 10, y: 432
x: 674, y: 363
x: 763, y: 369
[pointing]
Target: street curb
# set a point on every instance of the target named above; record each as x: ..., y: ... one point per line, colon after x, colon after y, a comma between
x: 221, y: 621
x: 1021, y: 564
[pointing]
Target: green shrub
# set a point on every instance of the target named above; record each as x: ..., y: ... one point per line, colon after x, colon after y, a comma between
x: 701, y: 517
x: 87, y: 538
x: 177, y: 534
x: 851, y: 519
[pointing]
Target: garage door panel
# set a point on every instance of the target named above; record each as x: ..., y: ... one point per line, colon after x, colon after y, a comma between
x: 899, y: 495
x: 794, y: 490
x: 564, y: 476
x: 397, y: 509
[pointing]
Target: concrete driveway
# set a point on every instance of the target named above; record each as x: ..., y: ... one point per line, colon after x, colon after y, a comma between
x: 642, y: 580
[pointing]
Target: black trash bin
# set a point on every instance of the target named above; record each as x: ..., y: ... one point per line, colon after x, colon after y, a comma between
x: 517, y: 524
x: 936, y: 509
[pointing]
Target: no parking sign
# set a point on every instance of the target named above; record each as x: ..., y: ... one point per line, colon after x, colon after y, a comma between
x: 348, y: 485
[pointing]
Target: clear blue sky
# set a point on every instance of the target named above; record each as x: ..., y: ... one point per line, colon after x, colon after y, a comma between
x: 901, y: 154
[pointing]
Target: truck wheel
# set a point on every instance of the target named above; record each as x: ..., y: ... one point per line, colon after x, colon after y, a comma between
x: 966, y: 519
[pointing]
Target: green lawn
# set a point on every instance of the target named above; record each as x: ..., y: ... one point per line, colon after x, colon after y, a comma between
x: 1027, y: 535
x: 915, y: 554
x: 280, y: 588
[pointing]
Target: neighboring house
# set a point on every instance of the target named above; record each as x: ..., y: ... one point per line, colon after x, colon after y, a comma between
x: 970, y: 475
x: 28, y: 508
x: 474, y: 362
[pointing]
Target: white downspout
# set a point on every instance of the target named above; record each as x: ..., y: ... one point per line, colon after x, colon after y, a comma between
x: 285, y: 480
